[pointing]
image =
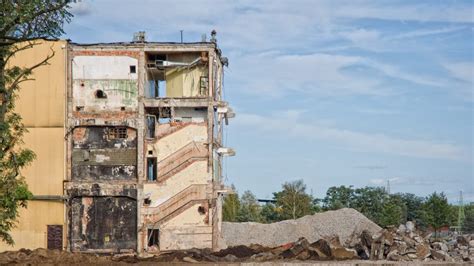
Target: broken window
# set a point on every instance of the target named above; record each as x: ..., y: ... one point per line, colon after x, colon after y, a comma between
x: 117, y: 133
x: 153, y: 237
x: 150, y: 126
x: 151, y: 168
x: 164, y: 115
x: 133, y: 69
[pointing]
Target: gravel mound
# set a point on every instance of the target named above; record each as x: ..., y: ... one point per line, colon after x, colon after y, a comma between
x: 341, y: 222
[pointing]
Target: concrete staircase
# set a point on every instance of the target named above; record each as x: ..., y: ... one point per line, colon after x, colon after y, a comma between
x: 181, y: 159
x: 178, y: 203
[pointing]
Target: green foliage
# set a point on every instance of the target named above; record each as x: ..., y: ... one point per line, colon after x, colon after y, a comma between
x: 436, y: 211
x: 392, y: 212
x: 468, y: 225
x: 370, y: 202
x: 293, y: 200
x: 412, y: 207
x: 21, y: 22
x: 269, y: 213
x: 374, y: 202
x: 231, y: 207
x: 249, y: 208
x: 29, y: 19
x: 338, y: 197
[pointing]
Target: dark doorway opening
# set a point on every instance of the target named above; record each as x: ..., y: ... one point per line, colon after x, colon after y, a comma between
x: 55, y: 236
x: 153, y: 237
x: 151, y: 168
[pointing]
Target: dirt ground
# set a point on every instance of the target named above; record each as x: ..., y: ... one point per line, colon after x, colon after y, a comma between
x: 56, y: 257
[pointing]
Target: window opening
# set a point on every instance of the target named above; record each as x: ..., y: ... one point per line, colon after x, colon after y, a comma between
x: 151, y: 168
x: 100, y: 94
x: 161, y: 86
x: 201, y: 210
x: 133, y: 69
x: 153, y: 237
x: 150, y: 126
x: 153, y: 89
x: 117, y: 133
x: 164, y: 115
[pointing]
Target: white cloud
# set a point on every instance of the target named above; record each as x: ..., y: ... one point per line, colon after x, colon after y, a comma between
x: 424, y: 32
x: 406, y: 12
x: 311, y: 74
x: 462, y: 70
x: 345, y: 138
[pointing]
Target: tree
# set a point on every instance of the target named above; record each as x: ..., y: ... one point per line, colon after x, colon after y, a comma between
x: 436, y: 211
x: 231, y: 207
x: 468, y: 225
x: 370, y: 202
x: 293, y: 200
x: 21, y: 23
x: 338, y: 197
x: 249, y: 208
x: 269, y: 213
x: 413, y: 205
x: 393, y: 212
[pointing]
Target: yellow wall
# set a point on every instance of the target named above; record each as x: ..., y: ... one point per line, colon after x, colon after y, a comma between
x: 41, y: 103
x: 184, y: 82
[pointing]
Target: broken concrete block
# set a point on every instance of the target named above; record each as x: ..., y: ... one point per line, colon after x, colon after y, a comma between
x: 189, y: 259
x: 341, y: 253
x: 264, y: 256
x: 410, y: 226
x: 366, y: 238
x: 423, y: 251
x: 462, y: 240
x: 322, y: 247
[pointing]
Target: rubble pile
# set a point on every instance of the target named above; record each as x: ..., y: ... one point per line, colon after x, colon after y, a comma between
x: 342, y: 222
x: 406, y: 243
x: 45, y: 256
x: 323, y: 249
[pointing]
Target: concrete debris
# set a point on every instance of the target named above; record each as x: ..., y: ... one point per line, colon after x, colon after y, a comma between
x: 408, y: 244
x: 402, y: 244
x: 341, y: 222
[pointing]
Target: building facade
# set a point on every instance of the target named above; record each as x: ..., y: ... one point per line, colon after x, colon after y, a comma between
x: 142, y: 165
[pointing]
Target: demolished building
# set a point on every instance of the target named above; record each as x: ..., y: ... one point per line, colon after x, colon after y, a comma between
x: 132, y: 137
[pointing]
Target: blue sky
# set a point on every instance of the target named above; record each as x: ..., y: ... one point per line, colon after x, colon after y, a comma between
x: 331, y: 92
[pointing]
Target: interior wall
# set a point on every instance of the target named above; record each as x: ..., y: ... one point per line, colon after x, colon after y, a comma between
x: 110, y: 74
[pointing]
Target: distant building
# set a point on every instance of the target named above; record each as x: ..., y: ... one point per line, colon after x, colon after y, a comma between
x: 128, y: 138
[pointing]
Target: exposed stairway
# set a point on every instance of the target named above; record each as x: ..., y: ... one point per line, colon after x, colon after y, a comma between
x: 182, y: 158
x: 176, y: 204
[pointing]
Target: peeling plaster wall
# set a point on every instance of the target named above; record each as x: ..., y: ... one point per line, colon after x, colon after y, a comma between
x: 103, y: 217
x: 96, y: 157
x: 171, y: 143
x: 103, y: 223
x: 189, y: 229
x: 112, y: 75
